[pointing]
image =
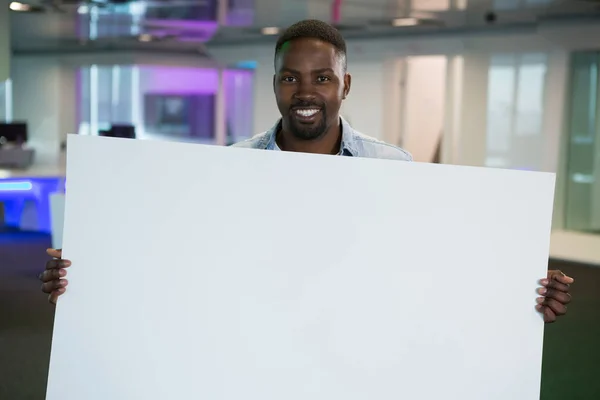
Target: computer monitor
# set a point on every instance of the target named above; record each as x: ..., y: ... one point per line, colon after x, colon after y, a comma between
x: 120, y: 131
x: 13, y: 133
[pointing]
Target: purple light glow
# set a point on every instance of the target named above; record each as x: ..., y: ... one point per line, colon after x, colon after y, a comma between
x: 182, y: 81
x: 208, y: 27
x: 177, y: 80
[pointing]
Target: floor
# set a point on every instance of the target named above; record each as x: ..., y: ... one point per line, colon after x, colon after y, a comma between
x: 571, y: 368
x: 26, y: 317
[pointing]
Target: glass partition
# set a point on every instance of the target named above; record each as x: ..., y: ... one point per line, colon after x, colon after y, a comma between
x: 165, y: 102
x: 582, y: 211
x: 515, y: 110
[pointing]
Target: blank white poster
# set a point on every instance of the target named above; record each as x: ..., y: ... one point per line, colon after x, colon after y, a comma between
x: 217, y: 273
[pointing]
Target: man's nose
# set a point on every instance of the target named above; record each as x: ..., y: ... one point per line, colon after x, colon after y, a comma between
x: 305, y: 92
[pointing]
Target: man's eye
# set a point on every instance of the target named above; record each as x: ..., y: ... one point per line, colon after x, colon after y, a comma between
x: 323, y: 79
x: 289, y: 79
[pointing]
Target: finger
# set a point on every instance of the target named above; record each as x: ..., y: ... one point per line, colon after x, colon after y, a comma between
x: 53, y: 297
x: 567, y: 280
x: 56, y: 253
x: 556, y: 285
x: 52, y: 264
x: 562, y: 297
x: 52, y: 274
x: 49, y: 287
x: 548, y: 314
x: 559, y: 276
x: 556, y: 307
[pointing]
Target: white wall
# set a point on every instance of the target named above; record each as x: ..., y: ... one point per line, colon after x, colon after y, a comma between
x: 423, y: 111
x: 365, y: 113
x: 5, y: 52
x: 44, y: 96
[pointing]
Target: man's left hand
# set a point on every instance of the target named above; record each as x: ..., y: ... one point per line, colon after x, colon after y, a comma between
x: 555, y: 295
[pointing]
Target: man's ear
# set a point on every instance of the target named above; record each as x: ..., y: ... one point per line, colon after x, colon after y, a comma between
x: 347, y: 84
x: 274, y: 77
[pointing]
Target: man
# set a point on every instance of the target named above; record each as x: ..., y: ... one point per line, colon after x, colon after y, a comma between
x: 310, y: 84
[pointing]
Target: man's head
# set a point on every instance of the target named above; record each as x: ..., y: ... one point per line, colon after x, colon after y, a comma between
x: 310, y: 78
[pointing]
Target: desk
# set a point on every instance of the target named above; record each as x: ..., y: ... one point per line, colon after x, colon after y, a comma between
x: 16, y: 157
x: 27, y: 201
x: 25, y: 194
x: 34, y: 198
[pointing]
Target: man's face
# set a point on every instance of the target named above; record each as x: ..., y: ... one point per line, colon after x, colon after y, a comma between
x: 310, y: 83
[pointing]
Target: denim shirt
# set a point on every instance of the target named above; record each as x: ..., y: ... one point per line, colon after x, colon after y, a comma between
x: 354, y: 144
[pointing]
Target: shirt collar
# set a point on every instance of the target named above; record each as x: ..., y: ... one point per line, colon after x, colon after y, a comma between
x: 347, y: 148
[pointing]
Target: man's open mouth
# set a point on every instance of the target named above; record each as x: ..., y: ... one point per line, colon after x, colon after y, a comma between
x: 306, y: 113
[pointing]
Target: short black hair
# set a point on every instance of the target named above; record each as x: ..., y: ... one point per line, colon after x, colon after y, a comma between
x: 315, y: 29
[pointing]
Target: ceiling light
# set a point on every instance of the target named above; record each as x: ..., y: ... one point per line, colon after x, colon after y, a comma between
x: 16, y: 6
x: 270, y: 30
x: 83, y: 9
x: 405, y: 22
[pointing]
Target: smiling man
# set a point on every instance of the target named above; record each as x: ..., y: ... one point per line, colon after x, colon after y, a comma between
x: 310, y: 83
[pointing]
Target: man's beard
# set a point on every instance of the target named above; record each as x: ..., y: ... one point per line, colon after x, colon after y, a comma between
x: 306, y: 131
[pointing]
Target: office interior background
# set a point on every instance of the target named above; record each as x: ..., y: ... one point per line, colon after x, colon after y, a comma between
x: 494, y: 83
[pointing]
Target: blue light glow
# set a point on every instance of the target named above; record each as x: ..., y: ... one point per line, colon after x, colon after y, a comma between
x: 247, y: 64
x: 15, y: 186
x: 26, y: 201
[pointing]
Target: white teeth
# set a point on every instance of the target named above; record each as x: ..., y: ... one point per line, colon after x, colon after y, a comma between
x: 307, y: 112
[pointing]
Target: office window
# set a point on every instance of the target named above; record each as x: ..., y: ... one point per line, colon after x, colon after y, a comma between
x: 529, y: 109
x: 515, y: 111
x: 582, y: 205
x: 166, y: 103
x: 105, y: 97
x: 118, y: 20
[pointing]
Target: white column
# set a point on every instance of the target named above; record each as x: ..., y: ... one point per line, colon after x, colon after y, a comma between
x: 452, y: 122
x: 137, y: 113
x: 68, y: 97
x: 424, y: 106
x: 471, y: 140
x: 93, y: 100
x: 221, y: 112
x: 8, y: 100
x: 393, y: 99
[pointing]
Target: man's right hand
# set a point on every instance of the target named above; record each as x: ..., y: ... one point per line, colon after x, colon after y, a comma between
x: 53, y: 278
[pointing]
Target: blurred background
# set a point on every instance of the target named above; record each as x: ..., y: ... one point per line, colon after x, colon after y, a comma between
x: 496, y: 83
